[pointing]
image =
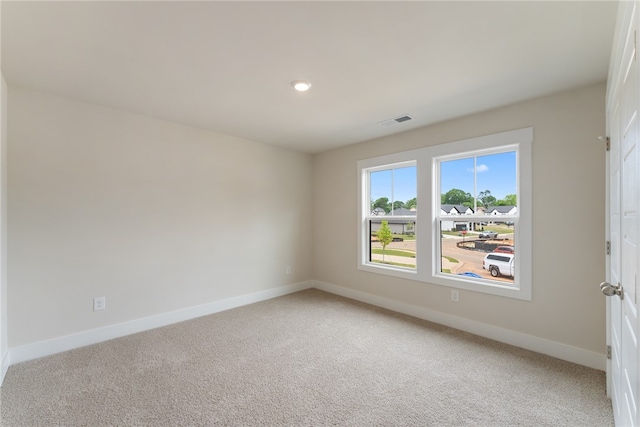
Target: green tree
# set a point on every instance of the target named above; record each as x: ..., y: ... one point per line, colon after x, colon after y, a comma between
x: 384, y: 236
x: 486, y: 198
x: 456, y: 196
x: 510, y: 200
x: 398, y: 204
x: 412, y: 203
x: 382, y: 202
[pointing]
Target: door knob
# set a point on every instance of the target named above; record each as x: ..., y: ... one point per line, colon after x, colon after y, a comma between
x: 610, y: 290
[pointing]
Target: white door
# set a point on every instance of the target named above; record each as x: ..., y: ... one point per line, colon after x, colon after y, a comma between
x: 624, y: 186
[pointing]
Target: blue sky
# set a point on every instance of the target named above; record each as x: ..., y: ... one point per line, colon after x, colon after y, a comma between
x: 404, y: 184
x: 495, y: 172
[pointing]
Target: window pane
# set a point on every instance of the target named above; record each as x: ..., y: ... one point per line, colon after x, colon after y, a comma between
x: 484, y: 182
x: 496, y: 180
x: 393, y: 191
x: 381, y: 189
x: 400, y: 249
x: 393, y: 194
x: 457, y: 183
x: 478, y: 249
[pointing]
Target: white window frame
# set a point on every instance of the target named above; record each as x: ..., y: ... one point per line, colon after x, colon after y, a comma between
x: 401, y: 271
x: 427, y: 224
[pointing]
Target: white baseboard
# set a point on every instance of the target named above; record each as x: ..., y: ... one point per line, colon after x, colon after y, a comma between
x: 4, y: 365
x: 94, y: 336
x: 558, y: 350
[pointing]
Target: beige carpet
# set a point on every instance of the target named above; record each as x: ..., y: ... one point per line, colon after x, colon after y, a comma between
x: 309, y: 358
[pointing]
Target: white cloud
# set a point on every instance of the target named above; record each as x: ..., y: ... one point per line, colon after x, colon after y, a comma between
x: 479, y: 168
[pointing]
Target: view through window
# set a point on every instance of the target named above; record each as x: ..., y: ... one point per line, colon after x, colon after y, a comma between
x: 454, y: 214
x: 392, y: 222
x: 478, y: 215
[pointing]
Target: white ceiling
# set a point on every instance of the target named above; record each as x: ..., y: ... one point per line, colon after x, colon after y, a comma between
x: 228, y: 66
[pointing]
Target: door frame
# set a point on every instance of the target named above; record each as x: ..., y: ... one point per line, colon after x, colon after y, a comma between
x: 623, y: 27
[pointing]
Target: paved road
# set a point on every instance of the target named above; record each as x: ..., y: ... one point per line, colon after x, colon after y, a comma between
x: 468, y: 260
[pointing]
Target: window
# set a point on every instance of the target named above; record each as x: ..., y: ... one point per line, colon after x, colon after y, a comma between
x: 455, y: 214
x: 478, y: 201
x: 392, y: 219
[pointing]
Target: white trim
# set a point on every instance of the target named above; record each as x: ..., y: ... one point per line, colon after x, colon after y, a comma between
x: 94, y: 336
x: 529, y: 342
x: 366, y: 166
x: 427, y: 219
x: 520, y: 142
x: 4, y: 365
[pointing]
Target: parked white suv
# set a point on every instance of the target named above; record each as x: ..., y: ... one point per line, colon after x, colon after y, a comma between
x: 499, y: 264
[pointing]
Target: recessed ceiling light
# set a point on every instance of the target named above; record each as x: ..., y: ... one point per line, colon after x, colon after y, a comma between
x: 301, y: 85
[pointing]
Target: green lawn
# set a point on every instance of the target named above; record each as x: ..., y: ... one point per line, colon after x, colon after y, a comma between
x: 402, y: 236
x: 395, y: 252
x: 498, y: 228
x: 395, y: 263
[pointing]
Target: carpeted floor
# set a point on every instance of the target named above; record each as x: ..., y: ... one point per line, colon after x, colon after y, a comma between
x: 309, y: 358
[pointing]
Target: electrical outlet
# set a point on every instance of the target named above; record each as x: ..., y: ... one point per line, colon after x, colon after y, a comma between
x: 288, y: 269
x: 455, y: 296
x: 99, y: 303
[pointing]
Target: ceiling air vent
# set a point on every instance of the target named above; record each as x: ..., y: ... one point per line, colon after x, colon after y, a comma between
x: 396, y: 121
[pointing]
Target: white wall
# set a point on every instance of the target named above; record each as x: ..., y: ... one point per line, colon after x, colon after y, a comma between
x: 4, y: 343
x: 159, y: 217
x: 568, y: 251
x: 154, y: 216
